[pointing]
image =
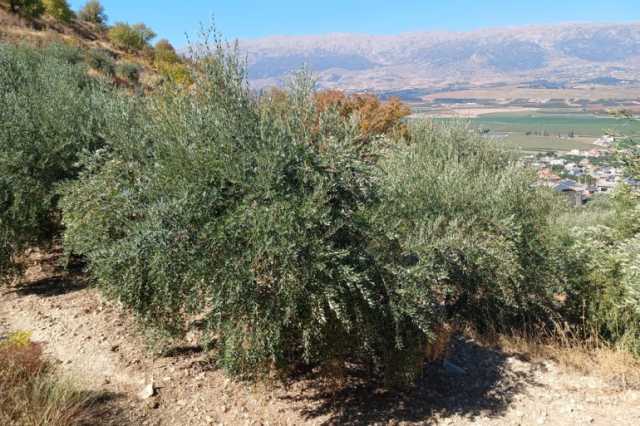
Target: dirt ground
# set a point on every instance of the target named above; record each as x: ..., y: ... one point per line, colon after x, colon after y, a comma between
x: 97, y: 344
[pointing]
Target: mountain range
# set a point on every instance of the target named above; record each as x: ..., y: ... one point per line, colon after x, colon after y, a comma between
x: 547, y: 56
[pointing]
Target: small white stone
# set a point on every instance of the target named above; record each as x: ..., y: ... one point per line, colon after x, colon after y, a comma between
x: 148, y: 391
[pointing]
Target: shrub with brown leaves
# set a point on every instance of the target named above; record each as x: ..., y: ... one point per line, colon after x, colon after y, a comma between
x: 30, y: 393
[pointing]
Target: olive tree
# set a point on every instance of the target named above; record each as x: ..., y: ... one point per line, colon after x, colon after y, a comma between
x: 93, y: 11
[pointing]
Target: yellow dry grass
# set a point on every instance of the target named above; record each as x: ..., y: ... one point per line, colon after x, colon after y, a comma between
x: 31, y: 394
x: 590, y: 356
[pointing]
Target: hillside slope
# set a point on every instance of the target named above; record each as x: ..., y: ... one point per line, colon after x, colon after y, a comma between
x: 83, y: 35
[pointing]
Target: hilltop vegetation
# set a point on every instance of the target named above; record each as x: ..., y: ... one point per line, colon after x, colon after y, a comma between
x: 120, y: 52
x: 304, y: 228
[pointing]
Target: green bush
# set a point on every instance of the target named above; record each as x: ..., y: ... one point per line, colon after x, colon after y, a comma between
x: 164, y: 52
x: 601, y: 262
x: 101, y: 60
x: 93, y: 12
x: 50, y: 111
x: 131, y: 37
x: 27, y: 8
x: 68, y: 54
x: 203, y: 203
x: 472, y: 225
x: 58, y: 9
x: 269, y: 221
x: 176, y: 73
x: 129, y: 72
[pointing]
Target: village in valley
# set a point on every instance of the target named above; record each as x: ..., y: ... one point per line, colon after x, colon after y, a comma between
x: 581, y: 174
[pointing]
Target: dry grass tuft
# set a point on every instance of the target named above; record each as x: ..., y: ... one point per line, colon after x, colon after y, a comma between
x: 438, y: 348
x: 590, y: 355
x: 30, y: 394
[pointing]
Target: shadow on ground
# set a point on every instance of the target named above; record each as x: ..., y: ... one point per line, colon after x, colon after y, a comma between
x: 49, y: 286
x: 486, y: 388
x: 50, y: 278
x: 181, y: 351
x: 105, y: 408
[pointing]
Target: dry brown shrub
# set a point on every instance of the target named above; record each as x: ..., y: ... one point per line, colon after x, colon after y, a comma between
x: 375, y: 117
x: 31, y: 394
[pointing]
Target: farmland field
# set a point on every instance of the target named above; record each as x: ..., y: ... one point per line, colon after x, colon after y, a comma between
x: 549, y: 131
x: 544, y: 143
x: 556, y: 124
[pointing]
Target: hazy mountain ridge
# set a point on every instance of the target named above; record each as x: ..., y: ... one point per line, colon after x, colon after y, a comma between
x: 571, y: 52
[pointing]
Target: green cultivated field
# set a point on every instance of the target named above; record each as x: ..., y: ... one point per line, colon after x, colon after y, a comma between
x: 554, y: 124
x: 539, y: 131
x: 545, y: 143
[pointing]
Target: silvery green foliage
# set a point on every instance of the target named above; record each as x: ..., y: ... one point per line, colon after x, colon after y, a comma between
x: 472, y: 225
x: 604, y: 272
x: 205, y: 202
x: 629, y: 255
x: 101, y: 60
x: 49, y: 110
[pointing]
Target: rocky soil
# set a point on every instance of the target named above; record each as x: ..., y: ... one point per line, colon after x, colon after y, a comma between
x: 98, y: 344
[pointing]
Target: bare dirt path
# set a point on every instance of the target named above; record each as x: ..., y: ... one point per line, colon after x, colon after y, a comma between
x: 98, y: 344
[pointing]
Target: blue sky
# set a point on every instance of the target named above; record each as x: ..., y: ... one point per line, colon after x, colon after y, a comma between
x: 253, y: 18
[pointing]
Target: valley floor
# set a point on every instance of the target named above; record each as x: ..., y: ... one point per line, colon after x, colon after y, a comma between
x: 97, y: 343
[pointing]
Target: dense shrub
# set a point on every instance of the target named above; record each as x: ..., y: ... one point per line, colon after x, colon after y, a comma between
x: 93, y: 12
x: 630, y: 157
x: 70, y: 54
x: 58, y: 9
x: 131, y: 37
x: 50, y: 111
x: 264, y: 217
x: 601, y: 261
x: 177, y: 73
x: 164, y: 52
x: 27, y: 8
x: 204, y: 203
x: 374, y: 117
x: 101, y: 60
x: 129, y: 72
x: 471, y: 224
x: 170, y: 65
